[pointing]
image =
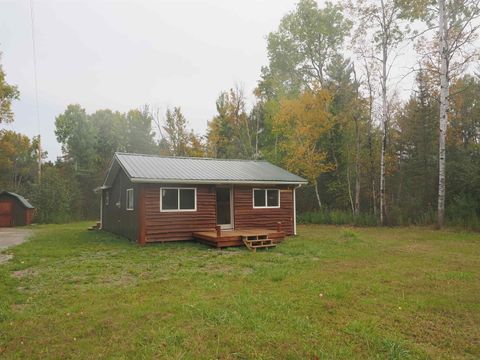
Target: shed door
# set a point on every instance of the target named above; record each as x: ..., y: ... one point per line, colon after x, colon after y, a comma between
x: 6, y: 213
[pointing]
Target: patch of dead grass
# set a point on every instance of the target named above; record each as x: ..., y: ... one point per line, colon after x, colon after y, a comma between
x: 25, y: 273
x: 5, y: 257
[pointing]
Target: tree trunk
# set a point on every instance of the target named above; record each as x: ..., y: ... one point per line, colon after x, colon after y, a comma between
x: 256, y: 136
x: 356, y: 118
x: 352, y: 205
x: 385, y: 132
x: 443, y: 48
x: 357, y: 168
x: 370, y: 140
x: 39, y: 165
x: 317, y: 194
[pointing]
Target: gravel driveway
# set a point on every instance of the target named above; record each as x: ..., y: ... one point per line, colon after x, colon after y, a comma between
x: 13, y: 236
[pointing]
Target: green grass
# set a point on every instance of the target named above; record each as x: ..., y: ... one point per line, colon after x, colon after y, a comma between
x: 331, y: 293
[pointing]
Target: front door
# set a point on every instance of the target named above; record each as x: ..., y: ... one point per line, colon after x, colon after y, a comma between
x: 6, y: 213
x: 225, y: 207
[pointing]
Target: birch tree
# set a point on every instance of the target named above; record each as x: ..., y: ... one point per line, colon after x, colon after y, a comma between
x: 369, y: 70
x: 457, y: 31
x: 383, y: 23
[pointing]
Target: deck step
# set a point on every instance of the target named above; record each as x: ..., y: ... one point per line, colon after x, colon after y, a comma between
x: 94, y: 227
x: 254, y: 242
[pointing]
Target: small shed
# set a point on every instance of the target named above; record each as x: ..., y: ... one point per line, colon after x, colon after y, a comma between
x: 15, y: 210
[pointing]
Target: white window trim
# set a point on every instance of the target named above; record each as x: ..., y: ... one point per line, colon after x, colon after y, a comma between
x: 179, y: 210
x: 126, y: 202
x: 266, y: 199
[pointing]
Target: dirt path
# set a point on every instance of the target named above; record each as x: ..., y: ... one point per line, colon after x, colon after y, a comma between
x: 13, y: 236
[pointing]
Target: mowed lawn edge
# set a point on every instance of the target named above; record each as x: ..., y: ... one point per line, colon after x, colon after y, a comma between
x: 332, y: 292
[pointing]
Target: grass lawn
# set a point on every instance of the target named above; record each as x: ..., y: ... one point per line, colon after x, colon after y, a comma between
x: 333, y: 292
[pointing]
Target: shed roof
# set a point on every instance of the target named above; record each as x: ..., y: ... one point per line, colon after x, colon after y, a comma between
x: 160, y: 169
x: 20, y: 198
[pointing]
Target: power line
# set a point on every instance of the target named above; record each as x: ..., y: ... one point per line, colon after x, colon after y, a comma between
x: 32, y: 18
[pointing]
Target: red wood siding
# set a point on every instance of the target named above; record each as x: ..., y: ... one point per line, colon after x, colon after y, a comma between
x: 247, y: 217
x: 6, y: 213
x: 28, y: 216
x: 172, y: 226
x: 13, y: 213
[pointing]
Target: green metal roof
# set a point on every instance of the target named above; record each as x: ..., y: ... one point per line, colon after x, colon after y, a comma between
x: 20, y: 198
x: 160, y: 169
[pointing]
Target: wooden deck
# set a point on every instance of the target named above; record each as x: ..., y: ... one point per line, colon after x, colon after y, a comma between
x: 234, y: 237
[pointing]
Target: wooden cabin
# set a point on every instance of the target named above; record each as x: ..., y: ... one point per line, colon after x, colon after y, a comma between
x: 157, y: 199
x: 15, y: 210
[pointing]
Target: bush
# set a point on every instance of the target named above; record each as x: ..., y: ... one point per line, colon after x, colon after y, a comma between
x: 464, y: 212
x: 56, y: 198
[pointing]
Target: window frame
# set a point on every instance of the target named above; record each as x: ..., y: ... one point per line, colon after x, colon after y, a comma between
x: 266, y: 198
x: 178, y: 199
x: 130, y: 190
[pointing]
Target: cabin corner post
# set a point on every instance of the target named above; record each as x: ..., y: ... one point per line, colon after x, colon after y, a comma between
x: 101, y: 209
x: 141, y: 217
x: 295, y: 210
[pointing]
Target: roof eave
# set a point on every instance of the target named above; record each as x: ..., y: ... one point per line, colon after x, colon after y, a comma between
x: 214, y: 182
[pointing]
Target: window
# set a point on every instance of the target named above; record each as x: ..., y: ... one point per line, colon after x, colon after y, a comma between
x: 129, y: 199
x: 178, y: 199
x: 266, y: 198
x: 107, y: 198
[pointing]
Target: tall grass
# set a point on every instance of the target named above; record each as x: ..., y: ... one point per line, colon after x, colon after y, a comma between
x: 337, y: 217
x: 456, y: 219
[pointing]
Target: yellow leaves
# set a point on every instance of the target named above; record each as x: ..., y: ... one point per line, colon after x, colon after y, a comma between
x: 307, y: 115
x: 300, y: 124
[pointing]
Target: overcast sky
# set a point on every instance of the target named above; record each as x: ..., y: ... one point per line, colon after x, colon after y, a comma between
x: 121, y: 55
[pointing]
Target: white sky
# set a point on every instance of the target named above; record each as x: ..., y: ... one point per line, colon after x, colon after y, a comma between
x: 124, y: 54
x: 121, y: 55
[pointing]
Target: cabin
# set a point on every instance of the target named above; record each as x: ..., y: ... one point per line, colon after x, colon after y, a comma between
x: 148, y: 199
x: 15, y: 210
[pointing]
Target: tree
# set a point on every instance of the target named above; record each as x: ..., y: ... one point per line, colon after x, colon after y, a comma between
x: 382, y: 22
x: 463, y: 147
x: 456, y: 31
x: 416, y: 149
x: 140, y: 137
x: 196, y: 146
x: 348, y: 110
x: 304, y: 53
x: 177, y: 140
x: 176, y: 133
x: 77, y: 136
x: 57, y: 197
x: 369, y: 66
x: 17, y: 159
x: 301, y: 123
x: 110, y: 135
x: 305, y: 44
x: 8, y: 93
x: 232, y: 132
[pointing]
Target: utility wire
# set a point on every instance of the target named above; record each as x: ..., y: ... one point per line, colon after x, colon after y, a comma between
x: 32, y: 18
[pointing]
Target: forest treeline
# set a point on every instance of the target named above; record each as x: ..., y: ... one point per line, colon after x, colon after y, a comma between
x: 327, y: 107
